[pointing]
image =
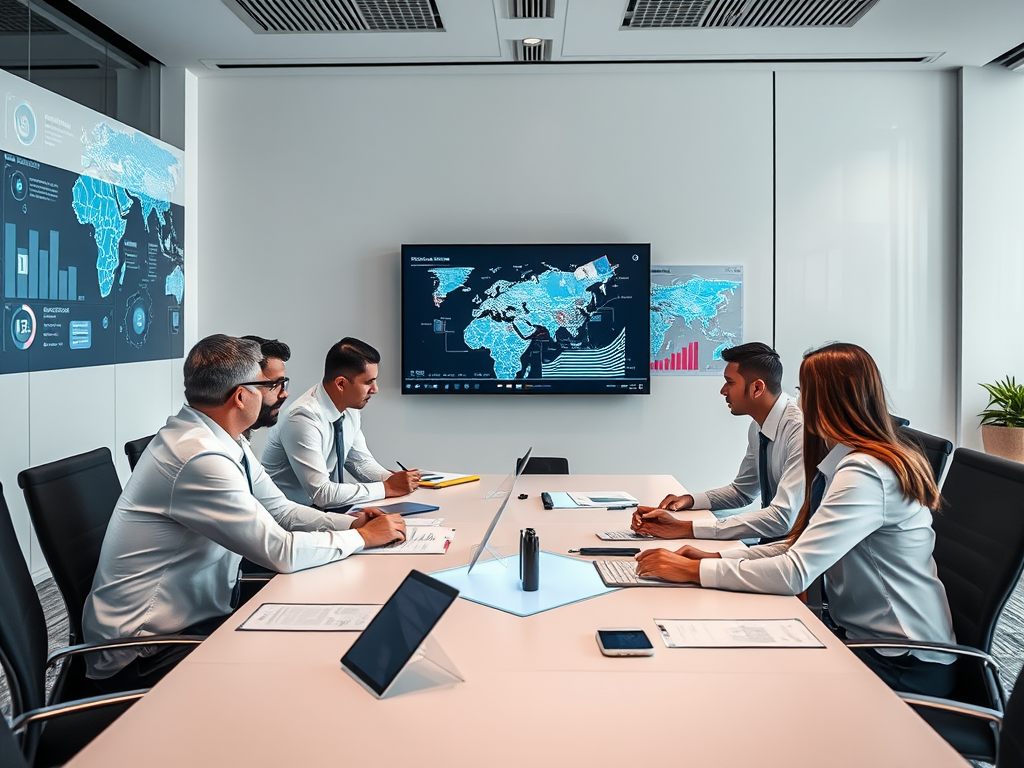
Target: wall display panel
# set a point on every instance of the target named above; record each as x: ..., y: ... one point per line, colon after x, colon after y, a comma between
x: 680, y: 160
x: 866, y: 245
x: 92, y: 241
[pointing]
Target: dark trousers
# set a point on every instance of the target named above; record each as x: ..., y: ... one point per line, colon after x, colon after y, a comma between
x: 910, y: 674
x: 146, y: 671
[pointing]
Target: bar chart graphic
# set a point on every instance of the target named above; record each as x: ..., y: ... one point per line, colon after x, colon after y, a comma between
x: 686, y: 360
x: 34, y: 272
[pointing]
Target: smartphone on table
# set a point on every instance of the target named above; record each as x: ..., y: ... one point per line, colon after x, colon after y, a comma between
x: 624, y: 641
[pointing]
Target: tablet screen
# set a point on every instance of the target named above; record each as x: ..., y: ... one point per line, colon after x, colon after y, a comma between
x: 398, y: 629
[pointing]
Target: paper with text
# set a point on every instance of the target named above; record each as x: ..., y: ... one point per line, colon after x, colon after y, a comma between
x: 730, y: 633
x: 307, y: 617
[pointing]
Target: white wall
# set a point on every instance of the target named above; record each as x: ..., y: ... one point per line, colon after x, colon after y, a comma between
x: 867, y: 228
x: 310, y: 184
x: 992, y: 308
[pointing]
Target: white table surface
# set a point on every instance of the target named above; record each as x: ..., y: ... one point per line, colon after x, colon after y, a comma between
x: 537, y: 690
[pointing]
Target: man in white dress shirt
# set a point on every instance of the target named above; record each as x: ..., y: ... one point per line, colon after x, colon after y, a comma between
x: 772, y: 466
x: 317, y: 453
x: 196, y: 504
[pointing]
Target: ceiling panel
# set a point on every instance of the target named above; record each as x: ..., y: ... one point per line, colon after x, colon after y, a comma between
x: 201, y: 34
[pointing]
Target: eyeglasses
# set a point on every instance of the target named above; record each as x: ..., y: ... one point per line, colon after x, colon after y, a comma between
x: 272, y: 384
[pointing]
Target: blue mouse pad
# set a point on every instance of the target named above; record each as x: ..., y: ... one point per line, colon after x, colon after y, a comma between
x: 496, y: 584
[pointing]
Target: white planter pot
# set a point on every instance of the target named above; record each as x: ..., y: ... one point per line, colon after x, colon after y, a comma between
x: 1007, y: 442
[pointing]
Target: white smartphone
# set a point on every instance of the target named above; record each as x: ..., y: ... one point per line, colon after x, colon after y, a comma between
x: 624, y: 641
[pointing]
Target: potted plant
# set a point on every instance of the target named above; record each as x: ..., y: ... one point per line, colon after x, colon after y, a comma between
x: 1002, y: 423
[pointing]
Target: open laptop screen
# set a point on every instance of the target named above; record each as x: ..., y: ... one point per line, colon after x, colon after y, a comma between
x: 398, y: 630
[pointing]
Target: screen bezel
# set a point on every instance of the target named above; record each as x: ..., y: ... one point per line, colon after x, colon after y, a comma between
x: 645, y: 384
x: 438, y: 586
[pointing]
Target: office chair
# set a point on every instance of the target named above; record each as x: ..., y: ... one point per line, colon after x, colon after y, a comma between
x: 51, y: 732
x: 10, y: 752
x: 899, y: 421
x: 1011, y: 739
x: 134, y: 449
x: 979, y: 554
x: 70, y: 502
x: 544, y: 465
x: 935, y: 449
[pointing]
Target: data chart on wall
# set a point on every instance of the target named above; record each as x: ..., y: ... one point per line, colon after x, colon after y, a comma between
x: 696, y: 313
x: 91, y: 239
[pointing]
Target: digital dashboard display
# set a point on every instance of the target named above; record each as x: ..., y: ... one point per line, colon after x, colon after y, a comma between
x: 526, y: 319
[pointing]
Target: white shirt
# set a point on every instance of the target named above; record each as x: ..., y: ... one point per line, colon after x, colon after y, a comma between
x: 784, y: 429
x: 185, y: 520
x: 875, y: 547
x: 300, y: 454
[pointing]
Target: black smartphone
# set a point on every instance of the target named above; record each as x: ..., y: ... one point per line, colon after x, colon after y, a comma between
x: 624, y: 641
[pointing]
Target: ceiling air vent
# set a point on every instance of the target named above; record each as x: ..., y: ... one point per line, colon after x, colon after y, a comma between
x: 660, y: 14
x: 16, y: 19
x: 541, y: 51
x: 531, y: 9
x: 337, y: 15
x: 1012, y: 59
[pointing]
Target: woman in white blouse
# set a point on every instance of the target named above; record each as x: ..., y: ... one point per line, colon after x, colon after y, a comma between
x: 867, y: 528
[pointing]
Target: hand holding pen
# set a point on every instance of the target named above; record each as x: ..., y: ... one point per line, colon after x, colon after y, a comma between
x: 402, y: 483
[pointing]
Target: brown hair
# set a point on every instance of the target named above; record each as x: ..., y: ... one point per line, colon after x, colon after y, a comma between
x: 843, y: 401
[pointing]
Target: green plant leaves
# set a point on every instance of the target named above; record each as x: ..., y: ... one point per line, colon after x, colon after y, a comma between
x: 1005, y: 403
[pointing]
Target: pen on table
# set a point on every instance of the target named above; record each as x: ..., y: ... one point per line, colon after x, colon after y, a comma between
x: 597, y: 551
x: 626, y: 506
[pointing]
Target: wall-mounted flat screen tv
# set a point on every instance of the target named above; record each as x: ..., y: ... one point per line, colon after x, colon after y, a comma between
x: 526, y: 319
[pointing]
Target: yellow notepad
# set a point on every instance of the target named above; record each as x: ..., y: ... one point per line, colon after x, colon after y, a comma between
x: 444, y: 479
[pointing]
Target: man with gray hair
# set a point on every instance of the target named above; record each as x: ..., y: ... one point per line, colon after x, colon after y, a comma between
x: 196, y: 504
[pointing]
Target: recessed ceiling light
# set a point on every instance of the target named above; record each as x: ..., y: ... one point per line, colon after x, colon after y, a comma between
x: 532, y: 41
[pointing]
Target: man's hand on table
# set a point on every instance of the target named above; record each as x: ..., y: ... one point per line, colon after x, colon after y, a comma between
x: 379, y: 528
x: 656, y: 521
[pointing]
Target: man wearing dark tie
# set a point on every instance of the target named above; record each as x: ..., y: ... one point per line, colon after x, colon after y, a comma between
x: 771, y: 469
x: 317, y: 454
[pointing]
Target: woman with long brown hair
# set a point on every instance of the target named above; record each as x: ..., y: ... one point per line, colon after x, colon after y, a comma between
x: 865, y: 524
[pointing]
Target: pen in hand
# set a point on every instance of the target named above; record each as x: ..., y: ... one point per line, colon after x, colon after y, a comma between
x: 401, y: 466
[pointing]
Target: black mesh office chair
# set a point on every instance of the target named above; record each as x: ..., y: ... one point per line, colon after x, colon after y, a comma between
x: 49, y: 736
x: 979, y: 554
x: 70, y: 502
x: 1011, y: 739
x: 544, y: 465
x: 10, y: 751
x: 134, y: 449
x: 935, y: 449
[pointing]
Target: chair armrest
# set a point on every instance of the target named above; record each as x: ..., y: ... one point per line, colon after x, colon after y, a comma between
x: 995, y: 689
x: 127, y: 642
x: 946, y: 705
x: 25, y: 719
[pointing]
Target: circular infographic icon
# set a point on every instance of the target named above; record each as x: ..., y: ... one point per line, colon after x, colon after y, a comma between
x: 19, y: 186
x: 139, y: 320
x: 23, y: 326
x: 25, y: 123
x: 106, y: 321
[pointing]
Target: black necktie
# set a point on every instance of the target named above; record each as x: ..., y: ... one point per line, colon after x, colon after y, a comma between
x: 245, y: 466
x: 762, y: 471
x: 339, y: 449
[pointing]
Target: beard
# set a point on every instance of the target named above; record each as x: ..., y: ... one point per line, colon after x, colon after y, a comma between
x: 268, y: 416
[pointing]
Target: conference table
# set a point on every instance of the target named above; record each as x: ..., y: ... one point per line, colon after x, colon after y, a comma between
x: 537, y: 690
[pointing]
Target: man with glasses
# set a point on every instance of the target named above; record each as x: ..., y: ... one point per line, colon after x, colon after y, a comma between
x: 170, y: 556
x: 317, y: 454
x: 275, y: 355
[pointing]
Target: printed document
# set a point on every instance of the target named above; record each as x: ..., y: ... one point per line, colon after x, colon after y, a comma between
x: 419, y: 540
x: 604, y: 499
x: 307, y: 617
x: 730, y: 633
